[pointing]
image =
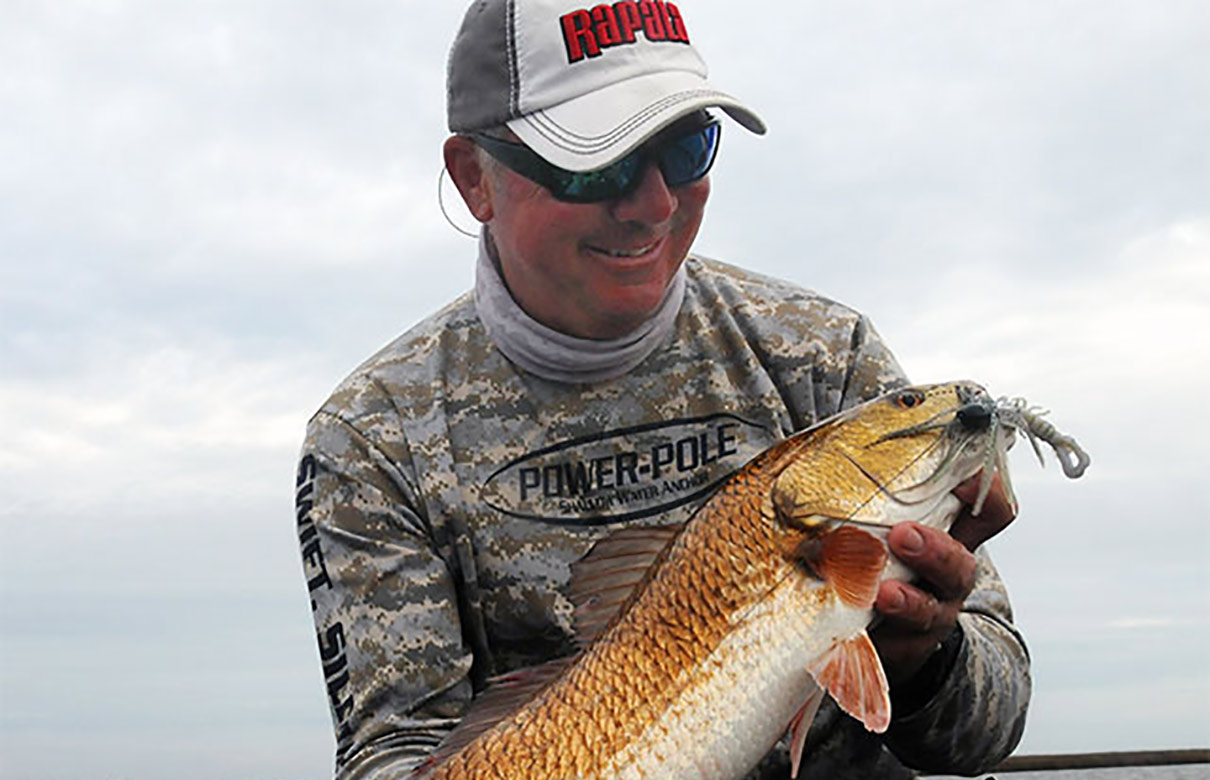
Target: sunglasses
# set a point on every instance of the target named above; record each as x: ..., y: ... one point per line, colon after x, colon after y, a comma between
x: 682, y: 157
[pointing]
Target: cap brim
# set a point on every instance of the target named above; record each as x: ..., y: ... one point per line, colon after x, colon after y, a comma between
x: 599, y: 128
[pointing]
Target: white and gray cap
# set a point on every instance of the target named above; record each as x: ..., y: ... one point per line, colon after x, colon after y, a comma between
x: 581, y: 84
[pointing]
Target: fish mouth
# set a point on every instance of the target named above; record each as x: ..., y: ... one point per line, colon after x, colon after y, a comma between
x: 978, y: 425
x: 976, y: 434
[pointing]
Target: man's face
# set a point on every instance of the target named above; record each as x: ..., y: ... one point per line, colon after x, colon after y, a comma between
x: 594, y: 270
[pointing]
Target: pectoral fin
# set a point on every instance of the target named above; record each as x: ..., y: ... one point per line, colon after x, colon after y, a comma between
x: 850, y: 561
x: 852, y: 674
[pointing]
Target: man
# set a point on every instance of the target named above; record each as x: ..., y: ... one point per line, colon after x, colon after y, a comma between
x: 601, y: 376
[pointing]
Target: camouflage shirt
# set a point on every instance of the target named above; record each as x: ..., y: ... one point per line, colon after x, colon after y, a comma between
x: 443, y: 495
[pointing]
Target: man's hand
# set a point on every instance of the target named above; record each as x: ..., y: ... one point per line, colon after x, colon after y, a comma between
x: 919, y: 617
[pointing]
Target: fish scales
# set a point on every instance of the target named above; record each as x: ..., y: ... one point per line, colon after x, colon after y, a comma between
x: 724, y: 640
x: 707, y: 578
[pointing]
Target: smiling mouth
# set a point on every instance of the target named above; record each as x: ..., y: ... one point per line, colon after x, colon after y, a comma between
x: 627, y: 253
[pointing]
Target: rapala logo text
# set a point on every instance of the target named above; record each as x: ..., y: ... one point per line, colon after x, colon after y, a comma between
x: 624, y: 474
x: 589, y: 31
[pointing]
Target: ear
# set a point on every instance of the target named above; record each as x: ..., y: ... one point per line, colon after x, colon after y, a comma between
x: 469, y: 176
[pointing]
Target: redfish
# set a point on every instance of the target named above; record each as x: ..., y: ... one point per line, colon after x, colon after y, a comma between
x: 702, y: 644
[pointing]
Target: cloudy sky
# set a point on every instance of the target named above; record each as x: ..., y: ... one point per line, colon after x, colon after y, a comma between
x: 211, y: 211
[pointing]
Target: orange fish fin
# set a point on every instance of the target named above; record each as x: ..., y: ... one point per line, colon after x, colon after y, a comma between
x: 504, y: 695
x: 605, y: 579
x: 800, y: 724
x: 852, y: 674
x: 850, y: 561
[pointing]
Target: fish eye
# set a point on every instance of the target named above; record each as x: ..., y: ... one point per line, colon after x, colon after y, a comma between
x: 909, y: 399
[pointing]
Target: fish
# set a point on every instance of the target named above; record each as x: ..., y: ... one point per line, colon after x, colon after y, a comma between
x: 702, y: 644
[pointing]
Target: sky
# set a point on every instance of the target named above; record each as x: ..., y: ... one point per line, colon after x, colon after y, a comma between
x: 210, y: 212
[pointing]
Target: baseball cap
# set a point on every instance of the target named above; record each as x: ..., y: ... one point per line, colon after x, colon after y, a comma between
x: 581, y: 84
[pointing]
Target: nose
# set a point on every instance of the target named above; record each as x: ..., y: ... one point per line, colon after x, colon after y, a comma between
x: 975, y: 416
x: 651, y: 203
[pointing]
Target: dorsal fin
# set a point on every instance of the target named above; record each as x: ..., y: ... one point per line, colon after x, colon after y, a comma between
x: 605, y: 579
x: 601, y: 583
x: 504, y: 695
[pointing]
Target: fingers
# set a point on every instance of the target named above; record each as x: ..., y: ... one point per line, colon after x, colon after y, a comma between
x: 918, y: 617
x: 995, y: 516
x: 944, y: 566
x: 914, y: 625
x: 911, y: 607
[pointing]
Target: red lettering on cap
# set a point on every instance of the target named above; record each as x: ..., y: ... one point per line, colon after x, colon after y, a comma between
x: 664, y: 19
x: 628, y: 19
x: 587, y: 32
x: 653, y: 23
x: 676, y: 24
x: 578, y: 36
x: 606, y: 26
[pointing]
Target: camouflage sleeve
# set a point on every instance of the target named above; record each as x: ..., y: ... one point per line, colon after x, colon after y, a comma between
x: 976, y: 716
x: 384, y: 601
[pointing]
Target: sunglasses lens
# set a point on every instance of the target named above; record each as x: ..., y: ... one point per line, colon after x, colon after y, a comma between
x: 603, y: 184
x: 689, y: 157
x: 681, y: 160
